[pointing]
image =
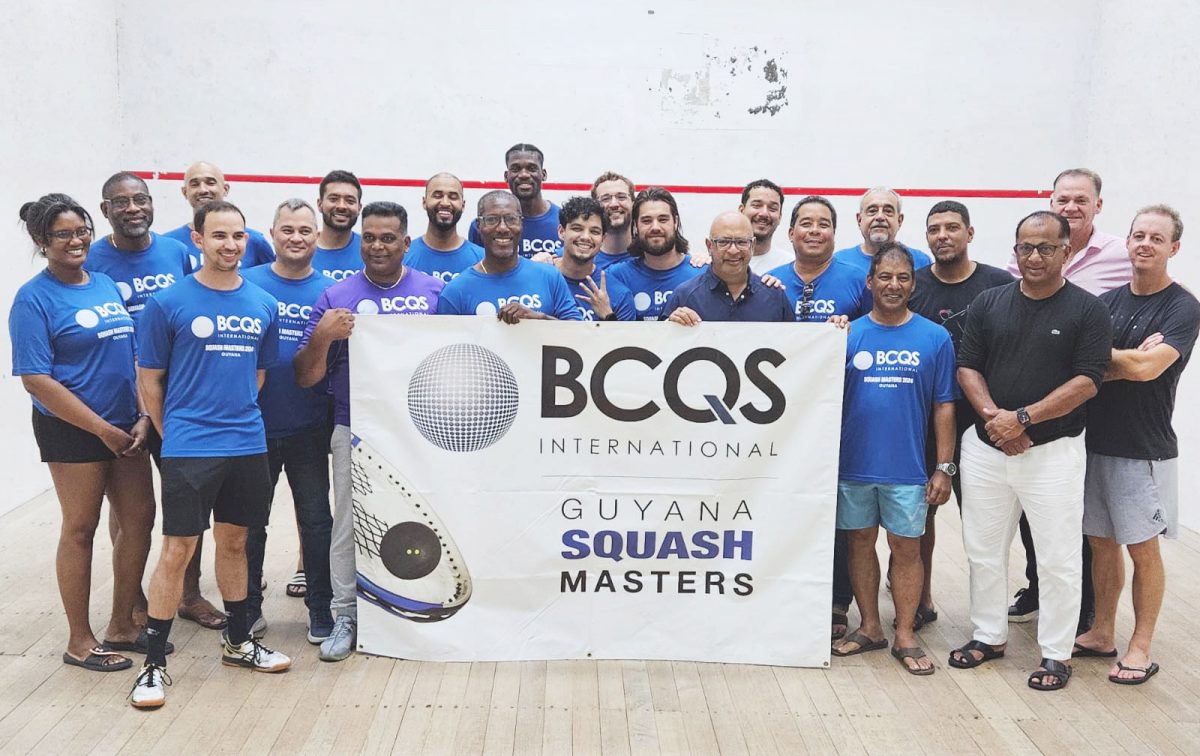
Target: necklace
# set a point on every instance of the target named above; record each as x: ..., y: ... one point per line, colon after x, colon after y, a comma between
x: 483, y: 267
x: 403, y: 270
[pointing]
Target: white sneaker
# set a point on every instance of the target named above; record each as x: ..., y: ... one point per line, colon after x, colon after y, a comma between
x: 149, y: 691
x: 253, y: 655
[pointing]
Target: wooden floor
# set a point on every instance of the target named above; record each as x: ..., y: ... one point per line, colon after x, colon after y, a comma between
x: 373, y: 704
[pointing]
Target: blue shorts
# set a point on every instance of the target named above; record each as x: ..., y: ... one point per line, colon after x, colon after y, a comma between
x: 900, y: 508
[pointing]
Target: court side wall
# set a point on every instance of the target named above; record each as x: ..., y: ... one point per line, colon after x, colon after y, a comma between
x: 931, y: 94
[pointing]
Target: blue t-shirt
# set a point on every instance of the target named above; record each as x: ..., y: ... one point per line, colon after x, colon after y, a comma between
x: 258, y: 250
x: 443, y: 266
x: 287, y: 408
x: 338, y: 264
x: 139, y: 275
x: 894, y: 374
x: 538, y: 286
x: 604, y: 260
x: 82, y: 337
x: 212, y: 344
x: 539, y: 233
x: 862, y: 261
x: 839, y: 290
x: 652, y: 288
x: 619, y: 296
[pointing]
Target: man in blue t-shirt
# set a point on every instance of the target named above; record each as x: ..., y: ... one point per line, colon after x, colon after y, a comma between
x: 879, y: 219
x: 615, y: 194
x: 203, y: 349
x: 140, y: 261
x: 899, y: 371
x: 524, y: 174
x: 385, y: 286
x: 339, y: 249
x: 296, y: 418
x: 504, y: 284
x: 441, y: 252
x: 204, y: 182
x: 818, y: 285
x: 659, y: 259
x: 584, y: 229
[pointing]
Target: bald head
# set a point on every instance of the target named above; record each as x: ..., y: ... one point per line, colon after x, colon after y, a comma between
x: 203, y: 182
x: 730, y: 224
x: 730, y: 243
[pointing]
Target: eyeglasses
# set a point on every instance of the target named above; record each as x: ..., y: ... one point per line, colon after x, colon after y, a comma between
x: 122, y: 203
x: 1045, y: 250
x: 806, y: 299
x: 387, y: 239
x: 492, y: 221
x: 726, y: 243
x: 621, y: 197
x: 79, y: 233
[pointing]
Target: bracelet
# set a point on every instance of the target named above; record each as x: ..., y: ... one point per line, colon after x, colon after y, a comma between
x: 140, y: 415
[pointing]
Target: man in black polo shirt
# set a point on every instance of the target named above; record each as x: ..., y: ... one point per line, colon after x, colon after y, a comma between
x: 943, y: 293
x: 1032, y: 353
x: 727, y: 290
x: 1131, y: 494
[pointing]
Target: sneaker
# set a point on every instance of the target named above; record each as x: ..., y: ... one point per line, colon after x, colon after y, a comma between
x: 149, y: 690
x: 319, y: 628
x: 340, y: 642
x: 259, y: 628
x: 1025, y: 607
x: 253, y: 655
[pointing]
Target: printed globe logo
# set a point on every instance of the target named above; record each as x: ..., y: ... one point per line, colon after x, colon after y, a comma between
x: 367, y: 307
x: 126, y: 291
x: 486, y: 309
x: 641, y: 301
x: 203, y: 327
x: 462, y: 398
x: 863, y: 360
x: 87, y: 318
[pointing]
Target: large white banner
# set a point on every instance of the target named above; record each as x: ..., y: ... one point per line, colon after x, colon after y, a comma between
x: 609, y: 490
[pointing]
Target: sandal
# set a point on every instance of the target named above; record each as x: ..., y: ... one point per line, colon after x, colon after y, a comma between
x: 925, y: 615
x: 1083, y: 651
x: 210, y: 618
x: 297, y: 587
x: 967, y: 660
x: 1147, y: 673
x: 914, y: 653
x: 839, y: 617
x: 140, y: 645
x: 865, y: 644
x: 1050, y: 668
x: 100, y: 659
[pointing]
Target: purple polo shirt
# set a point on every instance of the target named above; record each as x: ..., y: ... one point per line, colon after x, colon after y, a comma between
x: 1103, y: 265
x: 415, y: 294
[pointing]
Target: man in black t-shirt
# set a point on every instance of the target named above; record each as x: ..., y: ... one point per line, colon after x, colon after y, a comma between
x: 943, y: 293
x: 1131, y: 491
x: 1032, y: 353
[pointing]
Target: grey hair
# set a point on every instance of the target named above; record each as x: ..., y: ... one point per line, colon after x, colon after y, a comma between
x: 496, y: 194
x: 1167, y: 212
x: 881, y: 190
x: 293, y: 204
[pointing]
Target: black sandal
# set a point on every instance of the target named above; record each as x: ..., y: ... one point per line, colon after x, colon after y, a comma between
x: 839, y: 617
x: 1050, y: 668
x: 967, y: 660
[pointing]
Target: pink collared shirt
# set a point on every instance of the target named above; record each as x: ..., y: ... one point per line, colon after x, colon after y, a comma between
x: 1101, y: 266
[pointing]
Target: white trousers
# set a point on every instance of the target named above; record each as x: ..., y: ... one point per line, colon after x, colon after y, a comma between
x: 1047, y: 483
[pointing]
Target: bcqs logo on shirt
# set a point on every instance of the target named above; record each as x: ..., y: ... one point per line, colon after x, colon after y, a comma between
x: 203, y: 326
x: 643, y: 299
x: 393, y: 304
x: 90, y: 318
x: 463, y: 398
x: 532, y: 301
x: 865, y: 360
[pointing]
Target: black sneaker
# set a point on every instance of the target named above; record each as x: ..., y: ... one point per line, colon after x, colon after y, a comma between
x: 1025, y: 607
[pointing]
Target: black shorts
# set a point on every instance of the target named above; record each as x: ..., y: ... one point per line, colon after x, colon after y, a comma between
x: 233, y: 490
x: 59, y: 441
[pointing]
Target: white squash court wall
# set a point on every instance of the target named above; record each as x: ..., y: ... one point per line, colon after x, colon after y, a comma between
x: 933, y: 94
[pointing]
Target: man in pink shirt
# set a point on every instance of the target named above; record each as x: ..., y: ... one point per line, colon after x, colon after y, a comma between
x: 1097, y: 261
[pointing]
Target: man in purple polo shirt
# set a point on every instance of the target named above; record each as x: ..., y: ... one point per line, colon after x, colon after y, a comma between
x: 385, y: 286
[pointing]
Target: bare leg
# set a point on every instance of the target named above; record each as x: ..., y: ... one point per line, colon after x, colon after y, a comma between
x: 131, y: 496
x: 1149, y: 582
x: 864, y: 579
x: 193, y: 605
x: 1108, y: 577
x: 230, y: 560
x: 907, y: 573
x: 928, y: 541
x: 166, y: 584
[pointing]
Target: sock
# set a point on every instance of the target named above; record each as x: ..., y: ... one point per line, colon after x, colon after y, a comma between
x: 157, y: 631
x: 237, y: 630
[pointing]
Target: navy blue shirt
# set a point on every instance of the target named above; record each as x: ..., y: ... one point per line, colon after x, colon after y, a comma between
x: 710, y: 298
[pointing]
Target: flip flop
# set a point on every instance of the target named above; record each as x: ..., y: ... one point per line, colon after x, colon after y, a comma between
x: 865, y: 644
x: 838, y: 618
x: 139, y: 646
x: 95, y: 660
x: 297, y: 587
x: 1147, y: 673
x: 924, y: 616
x: 967, y: 660
x: 214, y: 620
x: 914, y: 653
x: 1083, y: 652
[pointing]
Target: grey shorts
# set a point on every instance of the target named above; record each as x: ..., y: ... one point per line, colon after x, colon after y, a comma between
x: 1130, y: 500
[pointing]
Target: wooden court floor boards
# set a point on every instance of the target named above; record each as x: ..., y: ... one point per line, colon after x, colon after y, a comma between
x: 369, y: 704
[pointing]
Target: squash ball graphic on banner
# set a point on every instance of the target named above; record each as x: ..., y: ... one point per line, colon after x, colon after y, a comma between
x: 462, y: 398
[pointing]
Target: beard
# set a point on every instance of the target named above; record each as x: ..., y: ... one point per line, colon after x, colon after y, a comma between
x: 330, y: 222
x: 455, y: 217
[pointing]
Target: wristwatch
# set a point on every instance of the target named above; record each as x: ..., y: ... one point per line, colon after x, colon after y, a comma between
x: 1023, y: 417
x: 949, y: 468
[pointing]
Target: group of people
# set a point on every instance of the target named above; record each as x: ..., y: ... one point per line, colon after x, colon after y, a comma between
x: 222, y: 354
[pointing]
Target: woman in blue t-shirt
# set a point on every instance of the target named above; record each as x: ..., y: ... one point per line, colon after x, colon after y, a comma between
x: 73, y: 346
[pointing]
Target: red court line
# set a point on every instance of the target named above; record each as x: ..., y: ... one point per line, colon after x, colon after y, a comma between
x: 794, y: 191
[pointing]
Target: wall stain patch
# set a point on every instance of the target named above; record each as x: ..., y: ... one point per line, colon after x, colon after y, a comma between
x: 730, y: 85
